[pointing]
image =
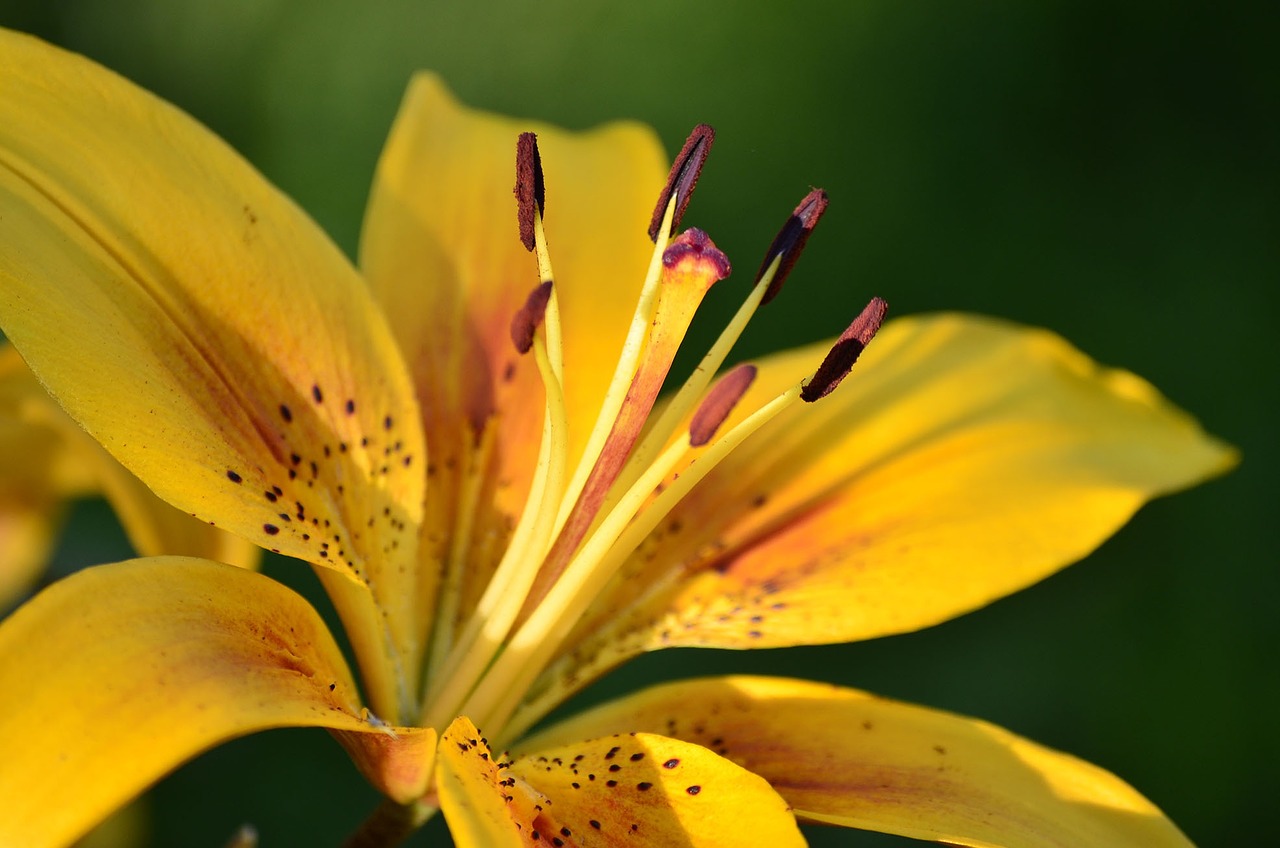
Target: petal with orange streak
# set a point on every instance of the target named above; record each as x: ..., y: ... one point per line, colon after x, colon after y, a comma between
x: 844, y: 757
x: 964, y: 459
x: 119, y: 673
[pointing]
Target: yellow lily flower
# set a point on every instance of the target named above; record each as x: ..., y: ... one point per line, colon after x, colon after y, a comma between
x: 49, y: 461
x: 464, y: 444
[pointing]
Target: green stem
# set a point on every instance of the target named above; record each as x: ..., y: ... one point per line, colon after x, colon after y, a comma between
x: 389, y: 825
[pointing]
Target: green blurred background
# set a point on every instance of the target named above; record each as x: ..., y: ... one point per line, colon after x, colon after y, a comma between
x: 1107, y: 170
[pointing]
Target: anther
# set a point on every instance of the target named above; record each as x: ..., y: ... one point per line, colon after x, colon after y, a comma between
x: 718, y: 403
x: 845, y: 352
x: 683, y: 178
x: 790, y: 241
x: 529, y: 317
x: 530, y: 191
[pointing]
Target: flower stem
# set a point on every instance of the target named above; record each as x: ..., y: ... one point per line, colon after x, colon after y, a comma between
x: 389, y: 825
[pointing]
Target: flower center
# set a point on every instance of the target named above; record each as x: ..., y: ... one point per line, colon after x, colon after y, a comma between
x: 579, y: 526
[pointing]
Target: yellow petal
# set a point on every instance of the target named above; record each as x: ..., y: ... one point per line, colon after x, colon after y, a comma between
x: 472, y: 795
x: 204, y: 330
x: 844, y: 757
x: 119, y: 673
x: 441, y: 251
x: 964, y: 459
x: 630, y: 788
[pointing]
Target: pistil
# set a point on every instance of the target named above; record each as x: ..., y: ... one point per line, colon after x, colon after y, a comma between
x: 667, y: 214
x: 691, y: 265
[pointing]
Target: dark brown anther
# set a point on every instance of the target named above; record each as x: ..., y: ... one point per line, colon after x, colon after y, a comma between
x: 683, y: 178
x: 718, y: 403
x: 529, y: 317
x: 845, y: 352
x: 531, y: 193
x: 790, y: 241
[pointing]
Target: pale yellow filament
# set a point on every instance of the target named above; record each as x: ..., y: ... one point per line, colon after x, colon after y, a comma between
x: 504, y: 595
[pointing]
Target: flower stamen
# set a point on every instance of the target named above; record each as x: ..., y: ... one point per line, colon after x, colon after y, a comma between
x: 682, y: 180
x: 500, y: 603
x: 719, y: 402
x: 845, y: 352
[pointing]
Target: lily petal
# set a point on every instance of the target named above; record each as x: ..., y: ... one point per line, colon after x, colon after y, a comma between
x: 844, y: 757
x: 440, y: 249
x: 469, y: 783
x: 618, y: 789
x: 119, y: 673
x: 963, y: 460
x: 226, y: 352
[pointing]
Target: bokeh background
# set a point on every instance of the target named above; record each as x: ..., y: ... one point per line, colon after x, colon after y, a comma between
x: 1107, y: 170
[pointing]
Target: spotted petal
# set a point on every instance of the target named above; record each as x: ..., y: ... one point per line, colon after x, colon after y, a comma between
x: 630, y: 788
x: 441, y: 251
x: 963, y: 460
x: 225, y: 351
x: 119, y: 673
x: 844, y: 757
